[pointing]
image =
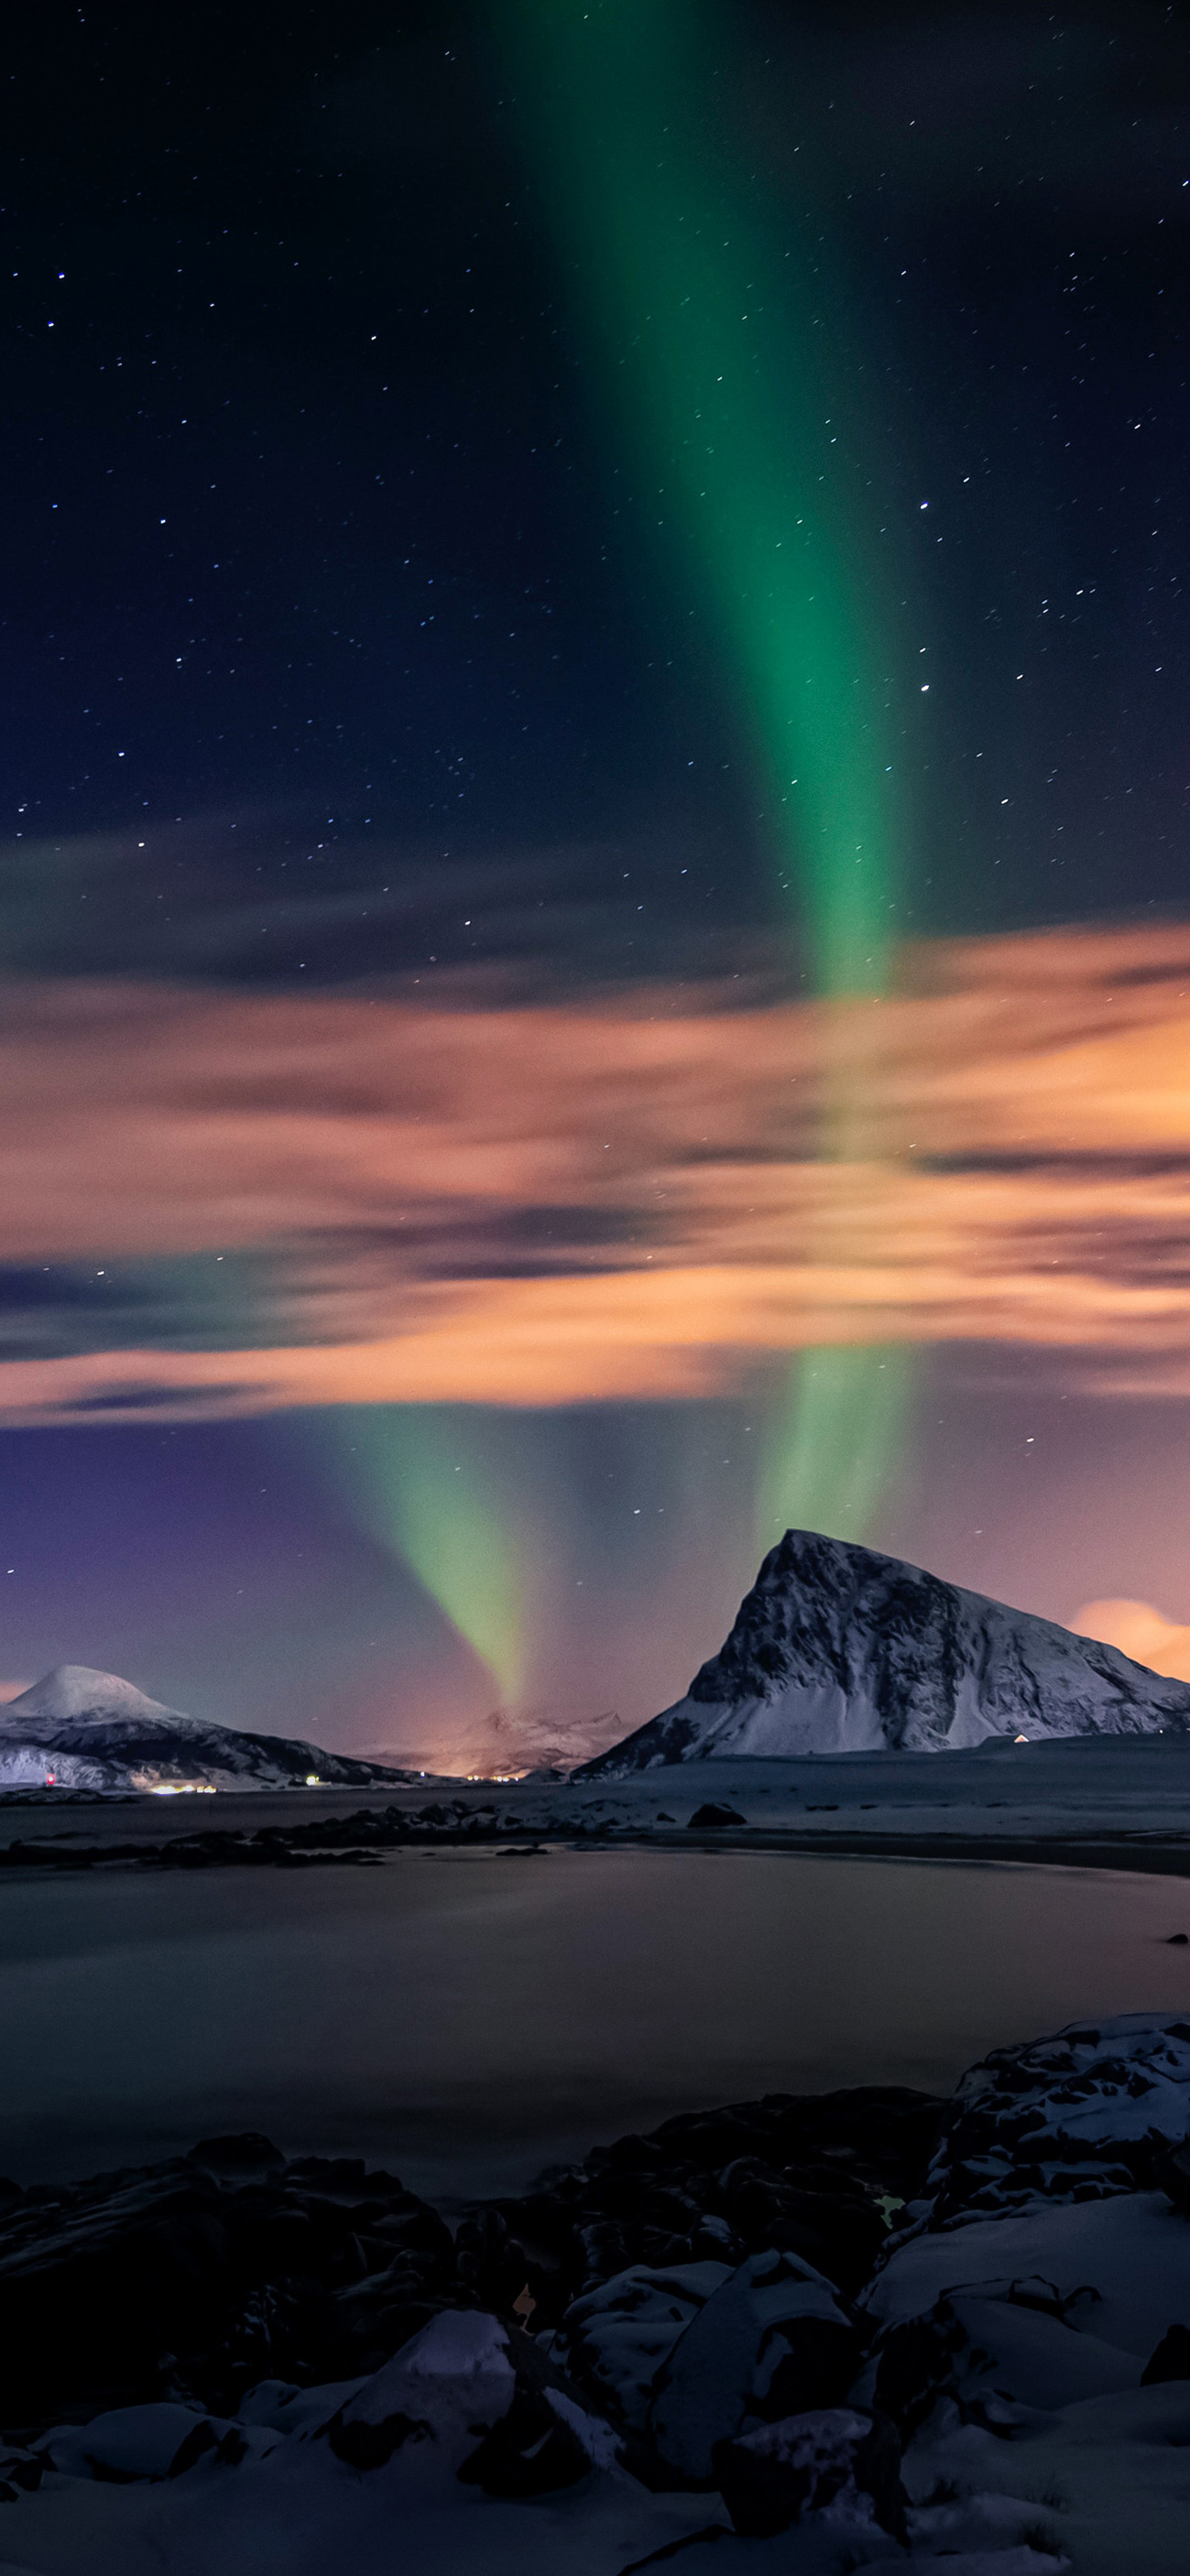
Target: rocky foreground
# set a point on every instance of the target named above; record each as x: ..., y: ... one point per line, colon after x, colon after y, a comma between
x: 811, y: 2334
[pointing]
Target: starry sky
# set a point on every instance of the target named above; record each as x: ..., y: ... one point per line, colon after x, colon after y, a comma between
x: 594, y: 770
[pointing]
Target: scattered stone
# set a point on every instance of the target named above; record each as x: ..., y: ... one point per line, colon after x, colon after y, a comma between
x: 197, y: 2279
x: 710, y: 1819
x: 1171, y: 2359
x: 768, y: 2477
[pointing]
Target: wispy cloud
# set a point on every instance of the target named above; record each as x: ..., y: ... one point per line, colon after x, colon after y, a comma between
x: 1140, y: 1631
x: 456, y: 1196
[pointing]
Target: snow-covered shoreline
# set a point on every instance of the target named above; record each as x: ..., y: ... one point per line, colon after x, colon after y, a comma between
x: 1118, y: 1802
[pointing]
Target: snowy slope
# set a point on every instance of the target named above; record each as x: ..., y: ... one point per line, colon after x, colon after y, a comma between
x: 92, y: 1730
x: 839, y: 1650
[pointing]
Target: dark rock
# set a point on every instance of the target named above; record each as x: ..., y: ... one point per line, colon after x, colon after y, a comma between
x: 605, y: 2252
x: 767, y: 2478
x: 917, y: 2365
x: 1177, y: 1940
x: 1171, y: 2360
x: 237, y: 2159
x: 531, y: 2451
x: 195, y: 2447
x: 199, y: 2276
x: 817, y: 2370
x: 206, y: 2273
x: 710, y: 1818
x: 771, y: 2339
x: 490, y: 2266
x: 21, y: 2472
x: 371, y: 2446
x: 812, y: 2175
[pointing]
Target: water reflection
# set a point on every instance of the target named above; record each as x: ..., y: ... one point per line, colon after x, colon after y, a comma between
x: 468, y: 2018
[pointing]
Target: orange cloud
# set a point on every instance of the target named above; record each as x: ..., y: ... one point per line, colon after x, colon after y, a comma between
x: 470, y: 1199
x: 1140, y: 1631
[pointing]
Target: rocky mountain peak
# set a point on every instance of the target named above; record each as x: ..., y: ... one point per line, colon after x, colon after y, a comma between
x: 838, y: 1649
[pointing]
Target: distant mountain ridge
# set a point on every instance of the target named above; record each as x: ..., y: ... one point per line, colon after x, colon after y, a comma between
x: 93, y: 1730
x: 837, y: 1649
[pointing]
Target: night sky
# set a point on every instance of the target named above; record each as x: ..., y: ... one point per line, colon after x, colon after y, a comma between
x: 594, y: 774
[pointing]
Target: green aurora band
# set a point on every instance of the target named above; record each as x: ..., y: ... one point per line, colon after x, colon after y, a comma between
x: 719, y: 363
x: 714, y: 352
x: 419, y: 1479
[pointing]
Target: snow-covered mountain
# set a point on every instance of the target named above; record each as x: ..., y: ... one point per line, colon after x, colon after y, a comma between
x: 505, y: 1744
x: 92, y: 1730
x: 839, y: 1650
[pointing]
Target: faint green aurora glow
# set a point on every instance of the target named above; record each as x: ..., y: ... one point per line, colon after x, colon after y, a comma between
x: 420, y: 1480
x: 836, y: 1441
x: 712, y: 345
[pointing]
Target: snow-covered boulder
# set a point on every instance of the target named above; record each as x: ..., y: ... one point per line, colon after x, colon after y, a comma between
x: 481, y: 2400
x: 773, y: 2339
x: 158, y: 2440
x: 1087, y: 2111
x: 1117, y: 2268
x: 614, y: 2340
x: 450, y: 2381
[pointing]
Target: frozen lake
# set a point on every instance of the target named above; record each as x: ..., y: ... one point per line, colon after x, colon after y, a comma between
x: 466, y: 2018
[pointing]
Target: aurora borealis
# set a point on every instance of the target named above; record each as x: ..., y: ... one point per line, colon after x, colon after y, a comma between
x: 706, y: 338
x: 592, y: 882
x: 705, y: 341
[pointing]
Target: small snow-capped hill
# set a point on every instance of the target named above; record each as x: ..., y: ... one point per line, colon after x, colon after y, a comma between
x: 839, y: 1650
x: 72, y: 1692
x: 94, y: 1731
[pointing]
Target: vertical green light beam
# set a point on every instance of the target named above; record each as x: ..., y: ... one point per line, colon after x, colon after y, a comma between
x: 835, y: 1440
x: 714, y: 346
x: 712, y: 341
x: 418, y: 1481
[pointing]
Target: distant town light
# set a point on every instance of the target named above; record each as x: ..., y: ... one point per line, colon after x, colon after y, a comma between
x: 312, y: 1780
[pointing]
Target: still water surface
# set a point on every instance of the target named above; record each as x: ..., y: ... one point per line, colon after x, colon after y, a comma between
x: 466, y: 2018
